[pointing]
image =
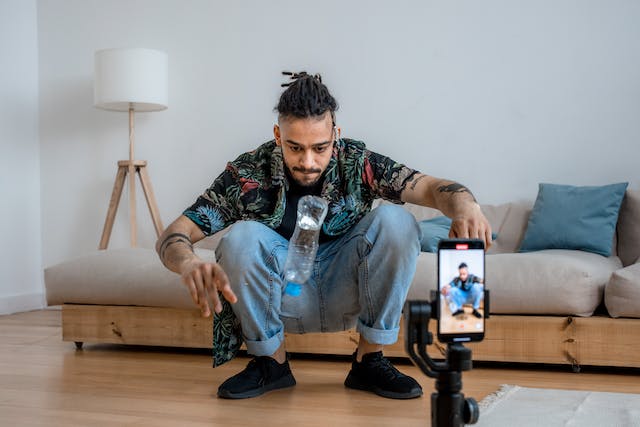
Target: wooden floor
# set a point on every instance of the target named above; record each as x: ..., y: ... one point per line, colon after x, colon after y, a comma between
x: 466, y: 322
x: 45, y: 382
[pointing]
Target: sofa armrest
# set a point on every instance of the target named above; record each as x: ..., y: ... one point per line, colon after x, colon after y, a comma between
x: 622, y: 293
x: 628, y: 230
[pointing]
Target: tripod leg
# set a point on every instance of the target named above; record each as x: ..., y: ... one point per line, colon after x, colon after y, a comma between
x: 145, y: 181
x: 113, y: 207
x: 132, y: 180
x: 132, y: 205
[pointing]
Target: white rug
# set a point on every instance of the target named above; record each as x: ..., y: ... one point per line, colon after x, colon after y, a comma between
x: 523, y: 407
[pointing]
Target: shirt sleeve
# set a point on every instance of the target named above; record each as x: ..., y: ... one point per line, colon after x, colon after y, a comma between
x: 385, y: 177
x: 214, y: 209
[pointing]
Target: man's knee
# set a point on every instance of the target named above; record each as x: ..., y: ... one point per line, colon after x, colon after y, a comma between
x: 477, y: 289
x: 454, y: 292
x: 243, y: 237
x: 394, y: 215
x: 396, y: 224
x: 250, y: 250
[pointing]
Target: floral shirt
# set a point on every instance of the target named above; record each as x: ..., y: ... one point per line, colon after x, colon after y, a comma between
x: 253, y: 187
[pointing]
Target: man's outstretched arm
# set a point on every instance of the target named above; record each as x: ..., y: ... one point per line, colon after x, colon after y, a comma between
x: 452, y: 199
x: 202, y: 279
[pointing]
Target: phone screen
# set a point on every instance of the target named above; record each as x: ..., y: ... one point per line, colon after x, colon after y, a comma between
x: 461, y: 290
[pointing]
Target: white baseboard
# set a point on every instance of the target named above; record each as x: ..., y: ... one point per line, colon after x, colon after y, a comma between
x: 24, y: 302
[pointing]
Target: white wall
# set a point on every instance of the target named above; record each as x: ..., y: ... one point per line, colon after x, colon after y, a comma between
x: 21, y: 285
x: 499, y: 95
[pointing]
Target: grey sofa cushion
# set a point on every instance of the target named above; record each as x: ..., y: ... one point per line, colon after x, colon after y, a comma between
x: 118, y: 277
x: 629, y: 228
x: 509, y: 222
x: 622, y: 294
x: 559, y: 282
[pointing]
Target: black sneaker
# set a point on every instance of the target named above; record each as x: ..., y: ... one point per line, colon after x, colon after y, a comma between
x: 477, y: 314
x: 375, y: 373
x: 261, y: 375
x: 458, y: 313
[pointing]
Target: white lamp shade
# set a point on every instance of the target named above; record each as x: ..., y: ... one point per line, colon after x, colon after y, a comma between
x: 131, y: 78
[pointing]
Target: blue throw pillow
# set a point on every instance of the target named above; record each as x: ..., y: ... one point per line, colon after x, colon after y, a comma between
x: 434, y: 230
x: 568, y: 217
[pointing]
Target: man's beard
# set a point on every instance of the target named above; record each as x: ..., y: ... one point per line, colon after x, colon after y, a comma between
x: 304, y: 171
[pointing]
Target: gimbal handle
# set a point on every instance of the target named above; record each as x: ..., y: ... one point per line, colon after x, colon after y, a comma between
x: 449, y: 408
x: 417, y: 314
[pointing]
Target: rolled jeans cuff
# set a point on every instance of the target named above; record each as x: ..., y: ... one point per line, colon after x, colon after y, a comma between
x: 265, y: 348
x: 377, y: 336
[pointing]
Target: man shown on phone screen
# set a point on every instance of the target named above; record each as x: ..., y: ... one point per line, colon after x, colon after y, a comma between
x: 466, y: 288
x: 365, y: 261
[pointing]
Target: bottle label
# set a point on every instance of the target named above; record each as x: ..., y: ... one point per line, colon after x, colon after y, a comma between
x: 293, y: 289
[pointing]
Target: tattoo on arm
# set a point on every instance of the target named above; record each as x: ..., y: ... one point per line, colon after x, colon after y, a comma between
x: 455, y: 188
x: 415, y: 181
x: 174, y: 238
x: 175, y: 241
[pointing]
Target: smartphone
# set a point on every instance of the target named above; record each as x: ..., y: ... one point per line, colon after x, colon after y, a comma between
x: 461, y: 280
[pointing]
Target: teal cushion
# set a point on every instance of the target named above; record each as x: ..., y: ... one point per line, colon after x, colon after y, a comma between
x: 568, y: 217
x: 435, y: 229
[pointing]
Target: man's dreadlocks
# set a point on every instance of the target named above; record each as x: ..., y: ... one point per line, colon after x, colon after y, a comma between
x: 305, y: 96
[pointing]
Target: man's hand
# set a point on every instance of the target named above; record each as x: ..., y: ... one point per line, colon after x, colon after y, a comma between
x: 471, y: 224
x: 455, y: 201
x: 204, y: 280
x: 445, y: 290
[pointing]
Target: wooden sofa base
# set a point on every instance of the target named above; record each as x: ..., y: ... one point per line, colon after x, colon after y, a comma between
x: 597, y: 340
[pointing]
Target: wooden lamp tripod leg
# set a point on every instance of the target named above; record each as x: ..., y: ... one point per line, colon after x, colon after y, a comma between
x: 151, y: 199
x: 113, y: 206
x: 132, y: 183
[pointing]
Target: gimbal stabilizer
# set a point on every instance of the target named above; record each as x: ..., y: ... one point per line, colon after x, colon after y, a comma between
x: 449, y: 408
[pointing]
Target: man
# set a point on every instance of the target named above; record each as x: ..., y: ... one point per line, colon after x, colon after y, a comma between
x: 464, y: 289
x: 365, y: 261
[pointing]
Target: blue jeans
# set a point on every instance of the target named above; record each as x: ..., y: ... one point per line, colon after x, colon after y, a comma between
x: 359, y: 279
x: 458, y: 297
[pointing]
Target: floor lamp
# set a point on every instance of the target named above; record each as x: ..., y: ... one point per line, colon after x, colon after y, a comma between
x: 131, y: 80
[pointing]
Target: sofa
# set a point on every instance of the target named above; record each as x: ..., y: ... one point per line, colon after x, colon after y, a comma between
x: 553, y: 306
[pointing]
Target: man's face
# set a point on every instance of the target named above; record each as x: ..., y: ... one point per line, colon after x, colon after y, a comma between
x: 307, y: 145
x: 464, y: 273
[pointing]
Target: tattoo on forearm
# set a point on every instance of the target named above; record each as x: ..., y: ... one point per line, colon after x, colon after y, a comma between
x: 175, y: 241
x: 171, y: 236
x: 415, y: 181
x: 184, y: 236
x: 455, y: 188
x: 174, y: 238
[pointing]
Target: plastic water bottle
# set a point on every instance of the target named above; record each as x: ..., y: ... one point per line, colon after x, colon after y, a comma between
x: 304, y: 242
